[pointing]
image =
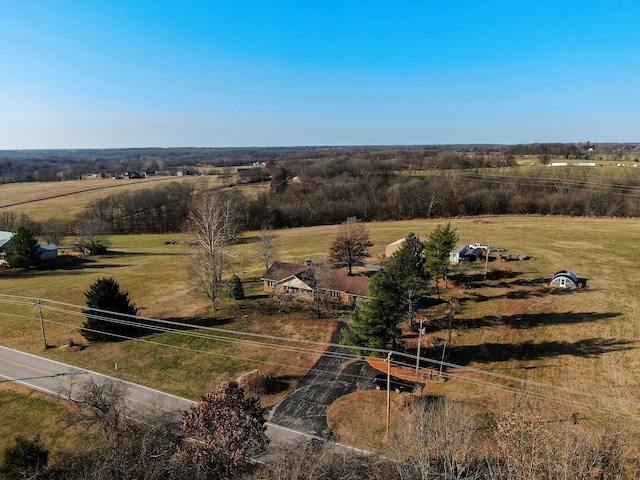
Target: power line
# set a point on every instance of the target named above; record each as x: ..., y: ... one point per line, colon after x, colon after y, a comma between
x: 302, y: 346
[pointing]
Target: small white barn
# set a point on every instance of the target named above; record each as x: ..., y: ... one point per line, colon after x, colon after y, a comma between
x: 5, y: 240
x: 392, y: 247
x: 457, y: 254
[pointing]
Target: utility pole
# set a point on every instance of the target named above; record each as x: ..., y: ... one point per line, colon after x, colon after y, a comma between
x: 448, y: 341
x: 486, y: 262
x: 450, y: 324
x: 388, y: 360
x: 419, y: 345
x: 44, y: 338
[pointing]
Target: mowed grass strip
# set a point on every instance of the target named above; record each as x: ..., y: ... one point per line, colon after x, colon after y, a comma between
x: 28, y: 413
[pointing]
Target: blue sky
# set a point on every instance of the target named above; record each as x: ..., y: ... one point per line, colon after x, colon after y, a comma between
x: 102, y: 74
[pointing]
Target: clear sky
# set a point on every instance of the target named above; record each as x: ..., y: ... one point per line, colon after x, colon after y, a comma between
x: 89, y: 73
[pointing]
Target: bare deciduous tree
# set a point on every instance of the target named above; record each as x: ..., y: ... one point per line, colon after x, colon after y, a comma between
x: 91, y: 234
x: 8, y: 220
x: 115, y: 445
x: 213, y: 223
x: 267, y: 247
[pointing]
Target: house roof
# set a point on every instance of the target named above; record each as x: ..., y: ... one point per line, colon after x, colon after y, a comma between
x: 278, y: 271
x: 331, y: 279
x: 5, y: 237
x: 399, y: 241
x: 355, y: 285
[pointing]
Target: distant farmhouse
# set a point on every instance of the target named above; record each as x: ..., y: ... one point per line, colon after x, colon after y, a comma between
x: 45, y: 252
x: 305, y: 281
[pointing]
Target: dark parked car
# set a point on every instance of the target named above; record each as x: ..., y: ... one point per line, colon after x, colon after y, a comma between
x: 397, y: 384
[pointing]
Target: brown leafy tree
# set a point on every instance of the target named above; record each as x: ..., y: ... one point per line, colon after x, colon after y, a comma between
x: 351, y: 245
x: 225, y: 425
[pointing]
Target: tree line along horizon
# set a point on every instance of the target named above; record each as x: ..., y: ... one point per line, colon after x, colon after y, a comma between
x: 328, y: 191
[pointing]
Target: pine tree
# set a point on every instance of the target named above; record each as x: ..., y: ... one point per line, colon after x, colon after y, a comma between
x: 22, y: 251
x: 392, y: 291
x: 235, y: 288
x: 441, y: 241
x: 108, y: 325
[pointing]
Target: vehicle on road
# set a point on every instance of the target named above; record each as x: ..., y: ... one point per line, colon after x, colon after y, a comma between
x: 397, y: 384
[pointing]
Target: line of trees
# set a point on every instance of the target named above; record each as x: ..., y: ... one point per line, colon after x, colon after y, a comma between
x: 381, y: 188
x: 161, y: 209
x: 394, y: 290
x: 380, y: 195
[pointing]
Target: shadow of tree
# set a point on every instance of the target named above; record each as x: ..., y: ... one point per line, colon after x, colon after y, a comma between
x: 532, y: 320
x: 520, y: 294
x: 528, y: 351
x: 182, y: 324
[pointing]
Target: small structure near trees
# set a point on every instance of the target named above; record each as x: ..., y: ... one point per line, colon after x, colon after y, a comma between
x: 566, y: 279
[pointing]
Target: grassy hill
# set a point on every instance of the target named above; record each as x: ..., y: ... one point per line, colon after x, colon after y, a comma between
x: 511, y: 324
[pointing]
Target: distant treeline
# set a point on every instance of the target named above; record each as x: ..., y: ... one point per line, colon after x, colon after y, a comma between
x: 328, y: 193
x: 307, y: 193
x: 52, y: 165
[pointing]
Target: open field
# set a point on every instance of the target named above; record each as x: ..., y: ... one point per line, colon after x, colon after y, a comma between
x: 582, y: 340
x: 65, y: 200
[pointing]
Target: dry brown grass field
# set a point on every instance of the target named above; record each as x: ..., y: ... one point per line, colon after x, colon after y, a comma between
x: 65, y: 200
x: 577, y: 350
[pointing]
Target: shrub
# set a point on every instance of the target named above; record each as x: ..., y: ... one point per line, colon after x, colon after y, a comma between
x: 235, y: 288
x: 259, y: 382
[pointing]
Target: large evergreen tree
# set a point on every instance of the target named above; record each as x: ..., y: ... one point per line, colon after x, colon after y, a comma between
x: 392, y: 291
x: 107, y: 303
x: 441, y: 241
x: 22, y: 251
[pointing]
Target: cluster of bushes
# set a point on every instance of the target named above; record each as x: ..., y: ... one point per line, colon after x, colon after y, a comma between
x: 435, y: 439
